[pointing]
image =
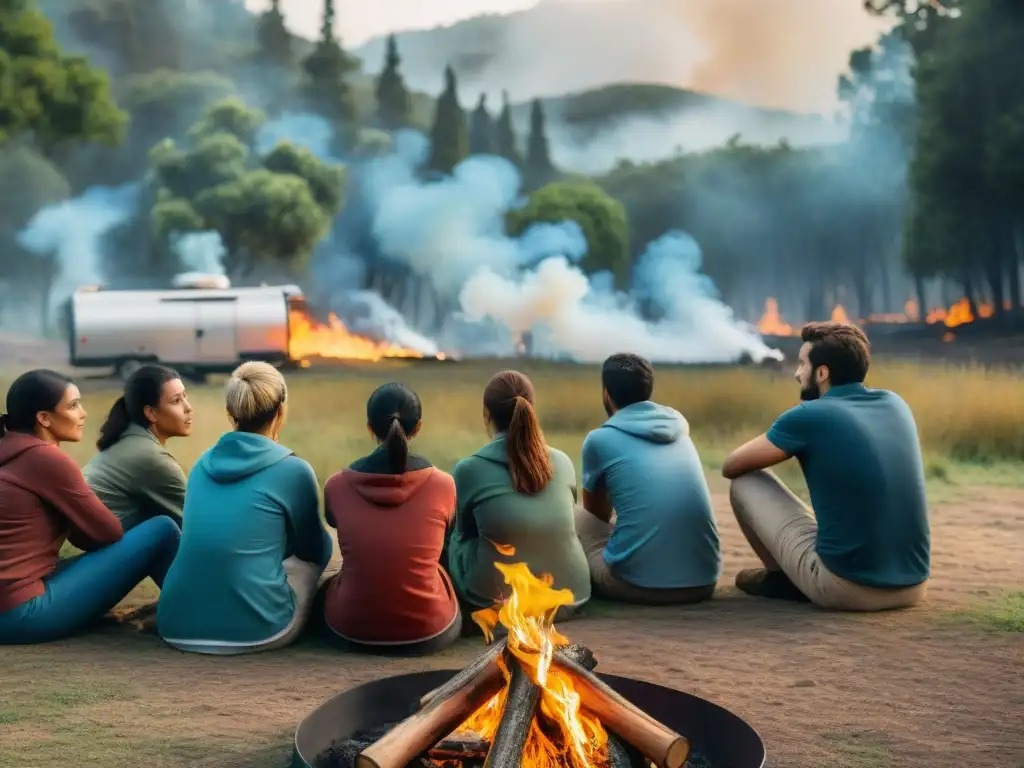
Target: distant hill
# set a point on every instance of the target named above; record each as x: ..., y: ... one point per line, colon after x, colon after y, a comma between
x: 610, y: 71
x: 596, y: 114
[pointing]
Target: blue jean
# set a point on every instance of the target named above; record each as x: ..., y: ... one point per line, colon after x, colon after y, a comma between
x: 83, y: 588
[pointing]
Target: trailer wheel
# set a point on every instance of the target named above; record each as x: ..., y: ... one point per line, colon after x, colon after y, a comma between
x: 127, y: 367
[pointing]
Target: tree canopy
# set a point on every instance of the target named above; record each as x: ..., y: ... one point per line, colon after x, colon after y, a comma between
x: 601, y: 217
x: 271, y: 209
x: 50, y: 97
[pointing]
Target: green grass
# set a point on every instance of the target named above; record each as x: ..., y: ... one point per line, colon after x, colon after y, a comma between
x: 1003, y: 614
x: 854, y: 749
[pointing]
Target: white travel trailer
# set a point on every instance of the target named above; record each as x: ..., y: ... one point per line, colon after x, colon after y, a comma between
x: 201, y: 326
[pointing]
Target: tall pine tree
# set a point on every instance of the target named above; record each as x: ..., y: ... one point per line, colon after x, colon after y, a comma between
x: 275, y: 60
x: 481, y: 130
x: 449, y: 143
x: 275, y: 42
x: 393, y: 106
x: 538, y: 153
x: 505, y: 133
x: 327, y: 92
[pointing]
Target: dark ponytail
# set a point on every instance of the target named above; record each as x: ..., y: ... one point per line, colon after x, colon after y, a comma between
x: 142, y: 389
x: 32, y: 393
x: 113, y: 428
x: 509, y: 398
x: 393, y: 414
x: 397, y: 445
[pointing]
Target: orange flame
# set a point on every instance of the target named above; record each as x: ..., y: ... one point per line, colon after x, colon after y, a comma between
x: 771, y: 323
x: 528, y: 615
x: 839, y: 315
x: 309, y: 338
x: 959, y: 313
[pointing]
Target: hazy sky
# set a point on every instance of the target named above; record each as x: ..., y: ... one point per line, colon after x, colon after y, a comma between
x: 359, y: 20
x: 776, y: 53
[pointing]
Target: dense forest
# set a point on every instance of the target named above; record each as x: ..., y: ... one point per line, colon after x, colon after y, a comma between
x: 922, y: 206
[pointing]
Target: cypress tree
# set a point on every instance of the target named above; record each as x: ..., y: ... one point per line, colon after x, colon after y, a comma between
x: 449, y: 143
x: 505, y: 133
x: 481, y: 130
x: 275, y: 42
x: 393, y: 106
x: 538, y: 153
x: 327, y: 92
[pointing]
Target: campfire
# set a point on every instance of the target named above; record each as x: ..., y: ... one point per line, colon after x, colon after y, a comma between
x: 531, y: 700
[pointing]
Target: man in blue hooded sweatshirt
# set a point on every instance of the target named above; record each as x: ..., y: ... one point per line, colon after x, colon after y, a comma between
x: 253, y: 547
x: 647, y: 525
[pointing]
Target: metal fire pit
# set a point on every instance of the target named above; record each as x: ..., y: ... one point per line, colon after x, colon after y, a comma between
x: 724, y: 739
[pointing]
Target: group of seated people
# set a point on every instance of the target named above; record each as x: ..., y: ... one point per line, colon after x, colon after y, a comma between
x: 241, y: 555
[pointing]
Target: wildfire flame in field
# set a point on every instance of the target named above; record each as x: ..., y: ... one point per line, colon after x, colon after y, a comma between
x: 528, y: 614
x: 772, y: 323
x: 309, y: 338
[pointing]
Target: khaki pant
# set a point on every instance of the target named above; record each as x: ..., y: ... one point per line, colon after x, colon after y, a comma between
x: 594, y: 534
x: 782, y: 531
x: 303, y: 578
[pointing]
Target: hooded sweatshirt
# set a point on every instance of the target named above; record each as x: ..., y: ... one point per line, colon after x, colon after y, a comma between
x: 391, y: 530
x: 539, y: 530
x: 250, y: 504
x: 137, y: 478
x: 43, y: 502
x: 665, y: 535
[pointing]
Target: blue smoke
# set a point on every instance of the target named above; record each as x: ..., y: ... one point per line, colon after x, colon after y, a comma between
x: 73, y: 230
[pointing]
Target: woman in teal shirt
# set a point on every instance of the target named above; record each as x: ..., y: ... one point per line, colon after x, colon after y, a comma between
x: 516, y: 498
x: 253, y: 547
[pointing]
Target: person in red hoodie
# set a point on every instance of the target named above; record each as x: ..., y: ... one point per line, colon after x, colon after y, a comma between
x: 45, y: 501
x: 392, y: 510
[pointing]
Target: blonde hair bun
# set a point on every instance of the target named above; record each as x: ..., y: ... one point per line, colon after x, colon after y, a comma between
x: 254, y: 394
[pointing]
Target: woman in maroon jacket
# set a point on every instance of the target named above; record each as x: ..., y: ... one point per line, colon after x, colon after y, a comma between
x: 392, y: 510
x: 44, y: 501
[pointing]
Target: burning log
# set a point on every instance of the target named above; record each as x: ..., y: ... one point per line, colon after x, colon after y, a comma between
x: 618, y: 754
x: 577, y: 652
x: 461, y: 745
x: 485, y: 659
x: 656, y: 741
x: 521, y: 703
x: 454, y: 703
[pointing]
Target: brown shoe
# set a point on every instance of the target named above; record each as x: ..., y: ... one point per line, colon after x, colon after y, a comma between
x: 774, y: 585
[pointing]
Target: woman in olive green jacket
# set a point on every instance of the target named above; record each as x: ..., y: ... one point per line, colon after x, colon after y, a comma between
x: 134, y: 474
x: 515, y: 504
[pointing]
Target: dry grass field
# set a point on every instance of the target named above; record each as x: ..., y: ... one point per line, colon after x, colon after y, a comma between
x: 969, y: 418
x: 936, y: 686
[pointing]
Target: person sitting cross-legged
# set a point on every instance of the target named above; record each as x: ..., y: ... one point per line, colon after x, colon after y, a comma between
x: 866, y: 546
x: 647, y: 525
x: 514, y: 504
x: 253, y: 547
x: 392, y: 510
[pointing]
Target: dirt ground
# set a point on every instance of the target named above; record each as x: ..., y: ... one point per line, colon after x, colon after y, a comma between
x: 916, y: 688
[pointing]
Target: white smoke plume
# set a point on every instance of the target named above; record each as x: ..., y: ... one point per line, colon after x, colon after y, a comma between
x: 569, y: 316
x: 73, y: 229
x: 452, y: 230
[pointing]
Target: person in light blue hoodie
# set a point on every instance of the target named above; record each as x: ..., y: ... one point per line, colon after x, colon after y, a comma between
x: 253, y: 547
x: 646, y: 525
